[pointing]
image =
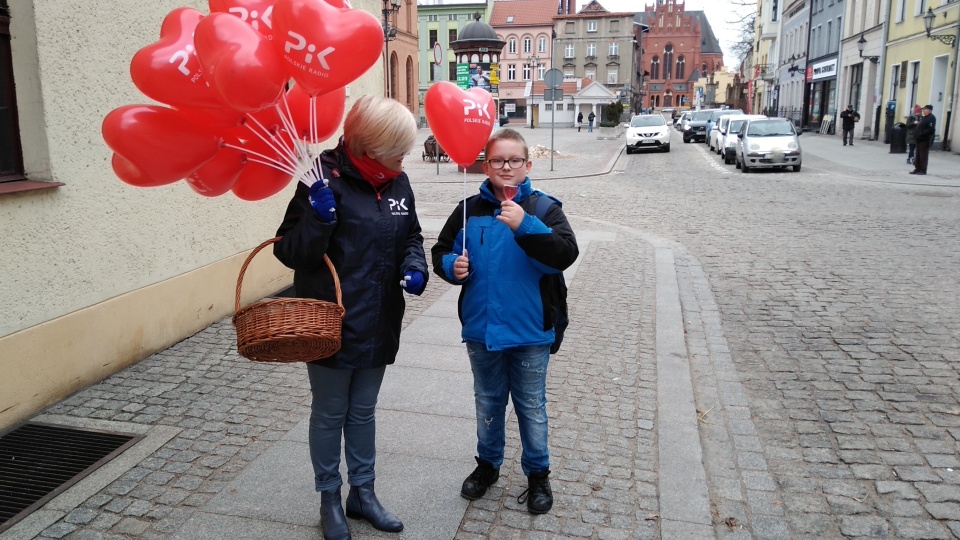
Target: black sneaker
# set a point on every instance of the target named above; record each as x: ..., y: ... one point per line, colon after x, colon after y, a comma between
x: 484, y: 476
x: 538, y: 494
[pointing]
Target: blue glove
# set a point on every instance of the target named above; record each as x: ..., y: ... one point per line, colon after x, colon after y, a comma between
x: 322, y: 201
x: 413, y: 282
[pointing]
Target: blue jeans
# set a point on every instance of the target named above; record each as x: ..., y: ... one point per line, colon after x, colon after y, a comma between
x: 590, y: 128
x: 344, y: 403
x: 521, y: 373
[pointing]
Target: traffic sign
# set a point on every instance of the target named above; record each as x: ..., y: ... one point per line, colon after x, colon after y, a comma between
x: 552, y: 94
x: 437, y: 53
x: 553, y: 78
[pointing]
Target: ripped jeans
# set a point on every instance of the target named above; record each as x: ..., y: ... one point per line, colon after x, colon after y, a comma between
x: 521, y: 373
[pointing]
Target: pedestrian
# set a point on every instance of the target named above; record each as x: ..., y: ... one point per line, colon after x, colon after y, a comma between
x: 911, y: 129
x: 849, y: 117
x: 926, y: 130
x: 501, y: 259
x: 377, y: 249
x: 579, y: 121
x: 590, y: 119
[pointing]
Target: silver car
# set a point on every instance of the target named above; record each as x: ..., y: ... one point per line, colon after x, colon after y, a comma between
x: 728, y: 138
x: 768, y: 143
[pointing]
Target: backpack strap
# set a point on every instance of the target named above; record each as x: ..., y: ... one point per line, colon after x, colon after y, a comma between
x: 543, y: 204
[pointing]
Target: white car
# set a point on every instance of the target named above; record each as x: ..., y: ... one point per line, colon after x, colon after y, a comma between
x: 727, y: 147
x: 770, y: 143
x: 648, y: 131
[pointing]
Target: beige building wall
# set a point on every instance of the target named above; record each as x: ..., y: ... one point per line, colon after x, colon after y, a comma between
x: 96, y: 275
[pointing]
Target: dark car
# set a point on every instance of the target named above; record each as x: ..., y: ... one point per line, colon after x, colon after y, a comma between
x: 504, y: 120
x: 696, y: 129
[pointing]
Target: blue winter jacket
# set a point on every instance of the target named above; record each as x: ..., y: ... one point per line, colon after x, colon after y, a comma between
x: 375, y: 239
x: 505, y: 300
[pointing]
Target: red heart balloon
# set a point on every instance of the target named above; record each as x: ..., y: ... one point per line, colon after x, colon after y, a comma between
x: 218, y: 176
x: 240, y: 64
x: 461, y: 120
x: 256, y: 13
x: 156, y: 145
x: 260, y: 177
x: 217, y: 118
x: 328, y: 112
x: 168, y: 70
x: 325, y: 47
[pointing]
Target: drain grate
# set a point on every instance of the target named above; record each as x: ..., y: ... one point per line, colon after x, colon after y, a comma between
x: 39, y: 461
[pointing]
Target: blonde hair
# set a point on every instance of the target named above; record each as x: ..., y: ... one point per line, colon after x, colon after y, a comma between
x: 379, y: 127
x: 507, y: 134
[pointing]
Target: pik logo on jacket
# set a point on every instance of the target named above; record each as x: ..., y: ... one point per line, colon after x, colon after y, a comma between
x: 399, y: 208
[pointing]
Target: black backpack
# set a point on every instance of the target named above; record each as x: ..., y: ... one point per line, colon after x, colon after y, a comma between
x: 558, y: 283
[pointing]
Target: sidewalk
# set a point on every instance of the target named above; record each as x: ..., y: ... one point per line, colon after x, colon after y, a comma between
x: 225, y: 452
x: 873, y: 159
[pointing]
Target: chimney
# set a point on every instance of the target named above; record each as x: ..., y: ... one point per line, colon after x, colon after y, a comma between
x: 579, y: 83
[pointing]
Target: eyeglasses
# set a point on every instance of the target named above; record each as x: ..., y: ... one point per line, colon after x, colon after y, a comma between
x: 515, y: 163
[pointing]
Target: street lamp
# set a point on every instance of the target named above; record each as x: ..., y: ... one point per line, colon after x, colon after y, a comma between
x: 389, y: 33
x: 534, y: 63
x: 928, y: 19
x: 861, y: 42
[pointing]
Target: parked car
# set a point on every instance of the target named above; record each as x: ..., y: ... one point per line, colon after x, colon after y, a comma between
x: 712, y: 123
x: 648, y: 131
x: 772, y: 142
x: 696, y: 126
x: 678, y: 122
x: 728, y: 141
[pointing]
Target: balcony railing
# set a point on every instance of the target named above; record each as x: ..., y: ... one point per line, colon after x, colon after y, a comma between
x: 589, y: 58
x: 613, y: 57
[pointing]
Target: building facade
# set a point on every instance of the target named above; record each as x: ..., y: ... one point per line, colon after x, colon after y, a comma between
x: 823, y: 48
x: 861, y: 72
x: 439, y: 22
x: 764, y: 79
x: 596, y: 44
x: 402, y: 71
x: 526, y: 26
x: 792, y: 61
x: 679, y: 48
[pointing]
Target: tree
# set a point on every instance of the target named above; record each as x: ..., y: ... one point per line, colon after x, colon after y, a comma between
x: 743, y: 18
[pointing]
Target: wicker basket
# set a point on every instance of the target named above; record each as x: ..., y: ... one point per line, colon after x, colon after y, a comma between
x: 288, y: 329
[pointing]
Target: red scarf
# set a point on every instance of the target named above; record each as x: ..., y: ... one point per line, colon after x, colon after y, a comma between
x: 372, y: 171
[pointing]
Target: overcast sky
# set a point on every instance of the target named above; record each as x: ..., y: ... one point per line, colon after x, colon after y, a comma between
x: 720, y: 13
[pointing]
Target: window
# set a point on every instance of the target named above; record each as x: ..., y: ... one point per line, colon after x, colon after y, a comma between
x: 451, y: 17
x: 451, y: 35
x: 433, y: 39
x: 548, y: 106
x: 559, y: 106
x: 526, y: 72
x: 703, y: 70
x: 541, y: 69
x: 590, y: 74
x: 541, y: 44
x: 527, y: 45
x: 614, y: 48
x: 510, y: 19
x: 433, y: 71
x: 571, y: 29
x: 773, y: 16
x: 568, y: 73
x: 919, y: 8
x: 914, y: 79
x: 511, y: 72
x: 452, y: 72
x: 668, y: 62
x: 655, y: 67
x: 894, y: 81
x: 829, y: 37
x: 591, y: 26
x: 512, y: 45
x: 681, y: 64
x: 856, y: 79
x: 11, y: 158
x: 568, y: 51
x: 901, y: 10
x: 433, y: 18
x: 615, y: 25
x: 612, y: 76
x: 592, y: 50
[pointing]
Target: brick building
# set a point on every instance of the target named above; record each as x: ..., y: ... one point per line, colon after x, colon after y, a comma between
x: 679, y: 48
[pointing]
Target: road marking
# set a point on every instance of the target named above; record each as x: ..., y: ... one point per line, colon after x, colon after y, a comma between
x: 713, y: 163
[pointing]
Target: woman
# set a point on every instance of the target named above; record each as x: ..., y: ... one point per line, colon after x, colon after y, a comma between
x: 365, y: 221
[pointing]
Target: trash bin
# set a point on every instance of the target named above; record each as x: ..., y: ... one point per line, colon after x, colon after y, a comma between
x: 898, y: 138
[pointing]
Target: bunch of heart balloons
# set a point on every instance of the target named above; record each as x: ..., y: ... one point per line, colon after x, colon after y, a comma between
x: 247, y: 91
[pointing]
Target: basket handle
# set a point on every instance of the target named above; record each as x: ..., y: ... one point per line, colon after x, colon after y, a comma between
x: 246, y: 263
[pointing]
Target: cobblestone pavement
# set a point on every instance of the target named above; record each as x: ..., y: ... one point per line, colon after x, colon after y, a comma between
x: 823, y: 335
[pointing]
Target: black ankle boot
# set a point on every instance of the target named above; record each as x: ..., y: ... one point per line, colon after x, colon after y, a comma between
x: 362, y: 503
x: 332, y: 522
x: 538, y: 494
x: 484, y: 476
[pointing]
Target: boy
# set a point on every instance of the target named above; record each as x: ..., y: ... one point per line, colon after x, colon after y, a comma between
x: 501, y: 262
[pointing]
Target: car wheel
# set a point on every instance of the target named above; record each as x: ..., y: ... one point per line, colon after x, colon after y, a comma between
x: 666, y: 148
x: 796, y: 168
x: 686, y: 140
x: 629, y: 151
x: 743, y: 168
x: 737, y: 162
x: 726, y: 160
